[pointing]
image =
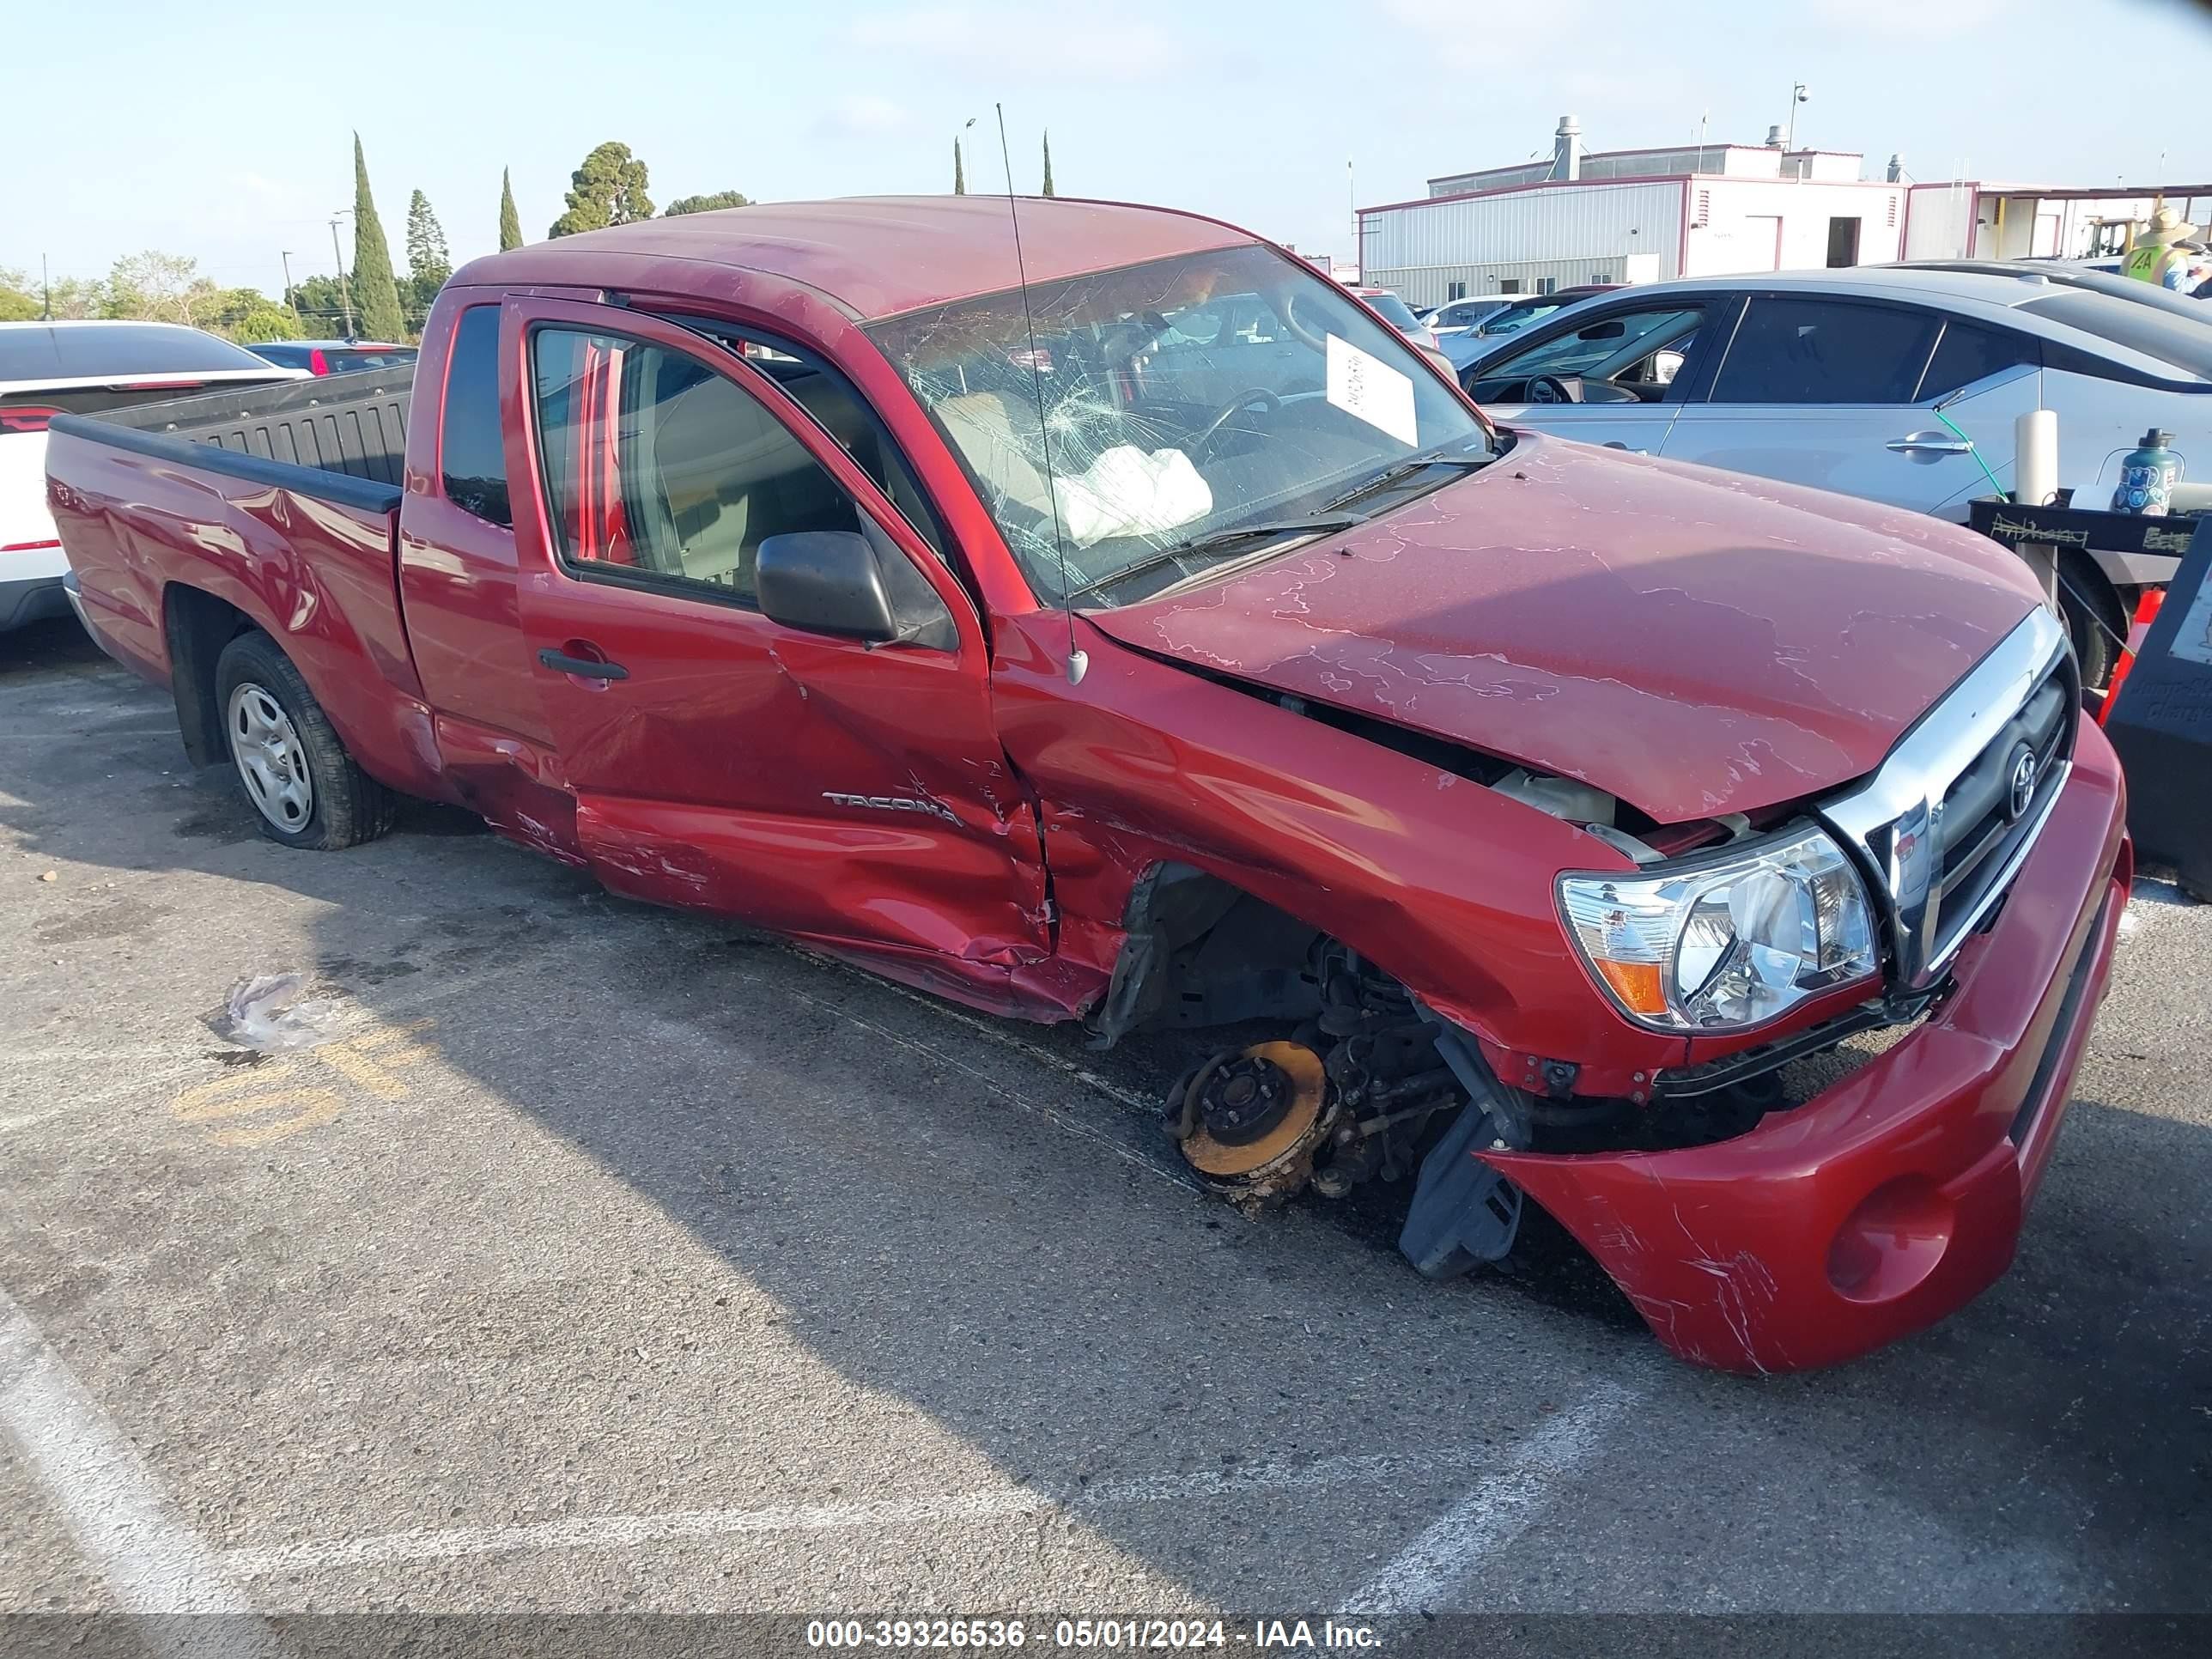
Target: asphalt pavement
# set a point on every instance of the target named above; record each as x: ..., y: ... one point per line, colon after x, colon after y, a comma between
x: 609, y: 1259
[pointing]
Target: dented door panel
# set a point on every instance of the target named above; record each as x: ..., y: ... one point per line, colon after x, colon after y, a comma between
x: 809, y: 784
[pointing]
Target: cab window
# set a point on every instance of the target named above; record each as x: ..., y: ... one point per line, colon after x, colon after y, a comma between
x: 660, y: 473
x: 836, y: 405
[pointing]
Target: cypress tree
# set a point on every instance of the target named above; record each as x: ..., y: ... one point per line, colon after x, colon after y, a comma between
x: 959, y: 177
x: 376, y: 291
x: 510, y: 222
x: 1048, y: 164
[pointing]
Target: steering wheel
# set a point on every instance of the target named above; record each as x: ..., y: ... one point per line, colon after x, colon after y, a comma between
x: 1243, y: 400
x: 1548, y: 389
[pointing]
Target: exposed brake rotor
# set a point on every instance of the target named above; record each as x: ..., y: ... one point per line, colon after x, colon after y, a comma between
x: 1251, y: 1120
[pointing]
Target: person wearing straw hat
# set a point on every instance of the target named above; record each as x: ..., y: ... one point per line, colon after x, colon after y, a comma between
x: 2167, y: 227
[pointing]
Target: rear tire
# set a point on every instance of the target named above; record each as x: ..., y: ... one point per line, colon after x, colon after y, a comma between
x: 2093, y: 619
x: 305, y: 790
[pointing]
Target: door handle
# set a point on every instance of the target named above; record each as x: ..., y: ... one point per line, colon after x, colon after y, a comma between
x: 1930, y: 443
x: 583, y: 667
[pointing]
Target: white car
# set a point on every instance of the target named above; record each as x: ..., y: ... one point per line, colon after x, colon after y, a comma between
x: 82, y: 368
x: 1899, y: 383
x: 1457, y: 316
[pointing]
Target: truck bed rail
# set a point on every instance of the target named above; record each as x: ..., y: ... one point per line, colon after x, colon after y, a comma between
x: 353, y: 425
x: 342, y: 488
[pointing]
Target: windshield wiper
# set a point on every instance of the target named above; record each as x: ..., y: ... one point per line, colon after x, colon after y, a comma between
x: 1213, y: 542
x: 1398, y: 471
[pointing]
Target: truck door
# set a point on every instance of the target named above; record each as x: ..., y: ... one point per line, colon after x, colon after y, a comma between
x: 718, y: 759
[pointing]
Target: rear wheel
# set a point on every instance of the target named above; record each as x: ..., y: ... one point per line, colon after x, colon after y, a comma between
x: 2094, y: 619
x: 295, y: 772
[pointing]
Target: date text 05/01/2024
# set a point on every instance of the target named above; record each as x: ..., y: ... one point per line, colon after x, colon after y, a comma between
x: 1134, y: 1634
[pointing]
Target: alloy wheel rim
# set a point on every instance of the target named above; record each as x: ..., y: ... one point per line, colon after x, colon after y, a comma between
x: 272, y: 760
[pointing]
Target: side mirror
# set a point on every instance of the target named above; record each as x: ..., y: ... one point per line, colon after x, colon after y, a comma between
x: 825, y: 581
x: 842, y: 583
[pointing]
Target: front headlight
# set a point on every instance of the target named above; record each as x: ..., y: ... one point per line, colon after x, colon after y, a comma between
x: 1727, y: 941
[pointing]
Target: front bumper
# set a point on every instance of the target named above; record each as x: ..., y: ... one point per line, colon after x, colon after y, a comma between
x: 1896, y: 1196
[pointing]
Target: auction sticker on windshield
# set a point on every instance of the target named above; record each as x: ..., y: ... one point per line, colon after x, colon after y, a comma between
x: 1365, y: 386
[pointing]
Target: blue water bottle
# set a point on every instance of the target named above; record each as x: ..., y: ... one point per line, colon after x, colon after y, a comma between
x: 2148, y: 476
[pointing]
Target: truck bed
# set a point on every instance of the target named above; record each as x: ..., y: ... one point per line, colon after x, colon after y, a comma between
x: 321, y: 437
x: 279, y: 506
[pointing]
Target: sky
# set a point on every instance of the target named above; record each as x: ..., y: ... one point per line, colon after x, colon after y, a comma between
x: 227, y: 135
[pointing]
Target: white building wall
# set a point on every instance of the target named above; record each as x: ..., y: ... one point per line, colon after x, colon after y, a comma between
x: 1940, y: 219
x: 1748, y: 225
x: 1572, y: 234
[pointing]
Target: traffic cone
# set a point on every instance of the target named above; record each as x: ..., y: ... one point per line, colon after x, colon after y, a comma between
x: 2146, y: 613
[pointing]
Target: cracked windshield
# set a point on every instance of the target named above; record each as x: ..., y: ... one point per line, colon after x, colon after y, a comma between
x: 1138, y: 427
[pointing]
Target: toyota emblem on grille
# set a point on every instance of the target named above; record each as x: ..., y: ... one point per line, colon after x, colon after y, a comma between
x: 2022, y: 792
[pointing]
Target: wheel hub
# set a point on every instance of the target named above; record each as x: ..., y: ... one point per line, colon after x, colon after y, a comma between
x: 1243, y: 1100
x: 272, y: 760
x: 1251, y: 1120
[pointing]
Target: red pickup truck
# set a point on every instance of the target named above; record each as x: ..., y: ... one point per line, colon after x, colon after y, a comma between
x: 1130, y: 627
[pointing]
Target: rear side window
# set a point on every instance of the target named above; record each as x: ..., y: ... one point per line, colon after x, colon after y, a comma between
x: 345, y: 359
x: 79, y: 351
x: 1821, y: 351
x: 2152, y: 329
x: 472, y: 460
x: 1966, y: 353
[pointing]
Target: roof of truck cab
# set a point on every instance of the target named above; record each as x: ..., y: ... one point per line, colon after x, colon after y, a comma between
x: 877, y: 255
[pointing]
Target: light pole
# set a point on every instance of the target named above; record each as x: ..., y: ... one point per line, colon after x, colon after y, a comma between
x: 285, y: 254
x: 1797, y: 95
x: 1352, y: 207
x: 345, y: 292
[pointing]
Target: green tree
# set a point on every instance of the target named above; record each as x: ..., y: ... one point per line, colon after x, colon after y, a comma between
x: 67, y: 298
x: 608, y: 189
x: 1048, y: 164
x: 720, y: 198
x: 959, y: 173
x: 161, y: 287
x: 75, y: 298
x: 18, y: 304
x: 510, y: 222
x: 321, y: 306
x: 249, y: 316
x: 428, y: 264
x: 375, y: 290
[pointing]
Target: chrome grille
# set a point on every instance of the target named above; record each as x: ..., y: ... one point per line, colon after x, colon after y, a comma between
x: 1943, y: 826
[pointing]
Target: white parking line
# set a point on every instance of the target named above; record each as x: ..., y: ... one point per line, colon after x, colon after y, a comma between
x: 1424, y: 1575
x: 153, y: 1563
x: 618, y: 1532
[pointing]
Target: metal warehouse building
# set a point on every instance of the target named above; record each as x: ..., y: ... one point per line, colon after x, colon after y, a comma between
x: 1711, y: 210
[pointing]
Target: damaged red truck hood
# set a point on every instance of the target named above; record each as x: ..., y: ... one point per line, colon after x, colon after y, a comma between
x: 1691, y: 641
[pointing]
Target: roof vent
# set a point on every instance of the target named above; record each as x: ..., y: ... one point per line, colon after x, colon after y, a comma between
x: 1774, y: 137
x: 1567, y: 149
